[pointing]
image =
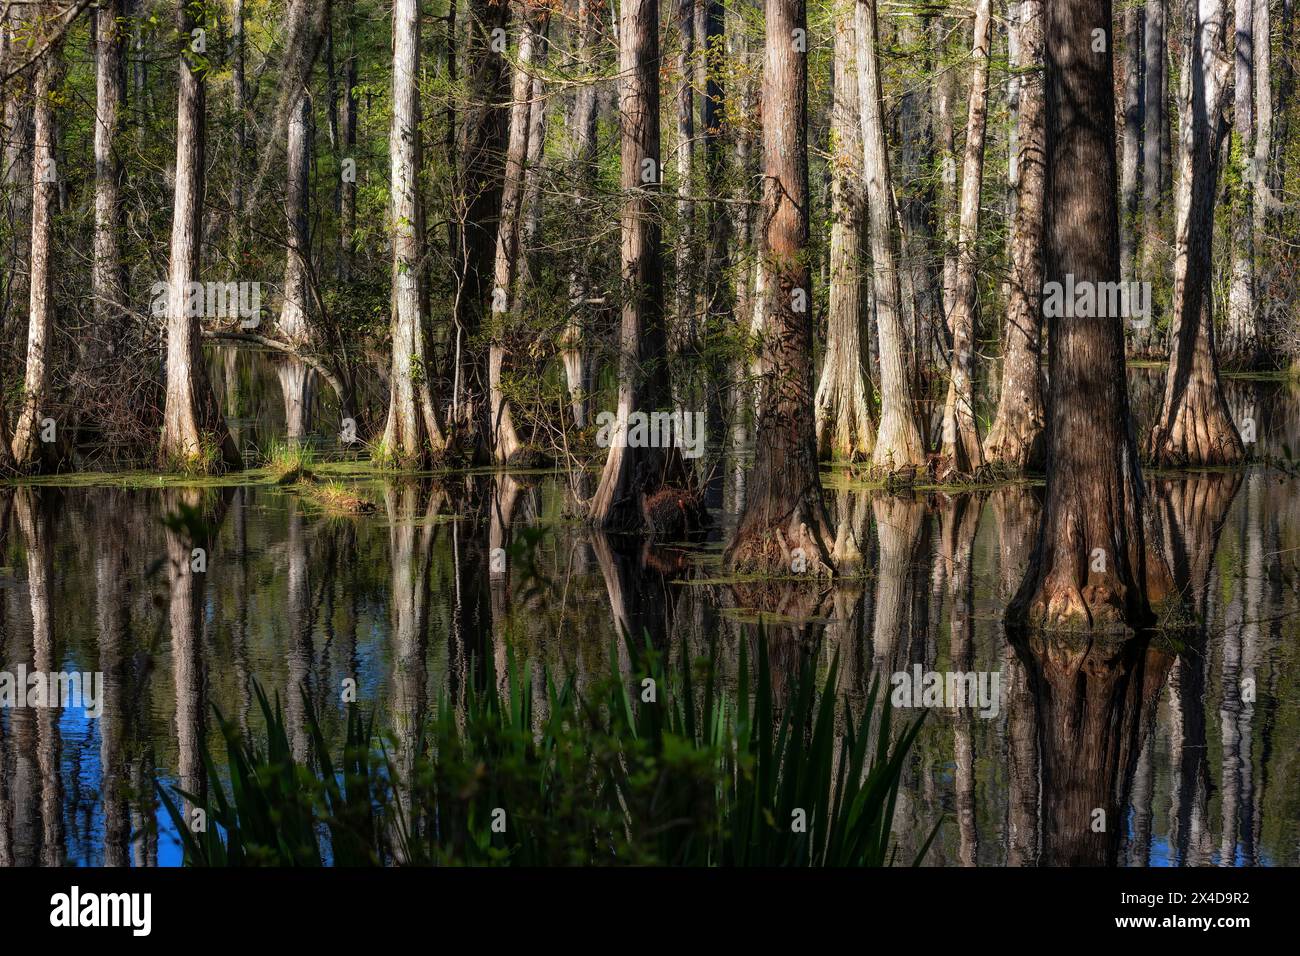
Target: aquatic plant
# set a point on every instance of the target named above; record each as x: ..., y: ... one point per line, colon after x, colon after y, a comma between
x: 526, y: 772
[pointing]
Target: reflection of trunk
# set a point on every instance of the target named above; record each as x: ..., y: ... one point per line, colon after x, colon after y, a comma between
x: 38, y: 533
x: 784, y: 515
x: 843, y: 406
x: 193, y: 426
x: 898, y: 441
x: 1016, y: 439
x: 298, y: 624
x: 961, y: 520
x: 298, y: 386
x: 1194, y: 427
x: 1090, y: 565
x: 898, y: 525
x: 410, y: 564
x: 641, y: 602
x: 112, y: 618
x: 186, y: 586
x: 1091, y: 697
x: 961, y: 450
x: 1022, y: 763
x: 1192, y: 513
x: 1251, y: 657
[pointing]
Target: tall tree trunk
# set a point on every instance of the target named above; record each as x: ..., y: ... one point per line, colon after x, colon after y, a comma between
x: 573, y: 352
x: 634, y: 474
x: 1016, y: 439
x: 505, y: 441
x: 412, y: 435
x: 1194, y: 426
x: 194, y: 431
x: 1261, y: 171
x: 348, y: 137
x: 295, y: 323
x: 1089, y: 568
x: 784, y: 524
x: 1128, y: 170
x: 898, y: 440
x: 843, y: 402
x: 945, y: 104
x: 682, y: 331
x: 1155, y: 102
x: 29, y: 451
x: 108, y: 276
x: 239, y: 83
x: 1242, y: 340
x: 479, y: 186
x: 296, y: 310
x: 961, y: 451
x: 917, y: 153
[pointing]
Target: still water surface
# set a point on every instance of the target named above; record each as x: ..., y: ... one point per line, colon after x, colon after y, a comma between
x: 1198, y: 739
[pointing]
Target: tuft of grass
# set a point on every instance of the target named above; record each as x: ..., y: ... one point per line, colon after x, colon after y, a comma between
x: 335, y: 497
x: 291, y: 462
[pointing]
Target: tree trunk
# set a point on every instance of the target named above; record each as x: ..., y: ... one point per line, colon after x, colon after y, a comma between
x: 1194, y: 426
x: 843, y: 403
x: 1089, y: 568
x: 918, y: 153
x: 1016, y: 440
x: 1262, y: 173
x: 295, y: 311
x: 1155, y: 103
x: 412, y: 435
x: 784, y: 524
x: 1241, y: 347
x: 240, y: 164
x: 479, y: 184
x: 634, y: 475
x: 682, y: 332
x: 296, y: 377
x: 961, y: 451
x: 898, y: 441
x: 505, y: 442
x: 348, y: 137
x: 29, y: 448
x: 194, y: 434
x: 1128, y: 170
x: 108, y: 277
x: 573, y: 352
x: 945, y: 91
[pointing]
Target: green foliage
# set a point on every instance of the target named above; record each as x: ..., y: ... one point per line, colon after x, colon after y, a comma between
x: 672, y: 772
